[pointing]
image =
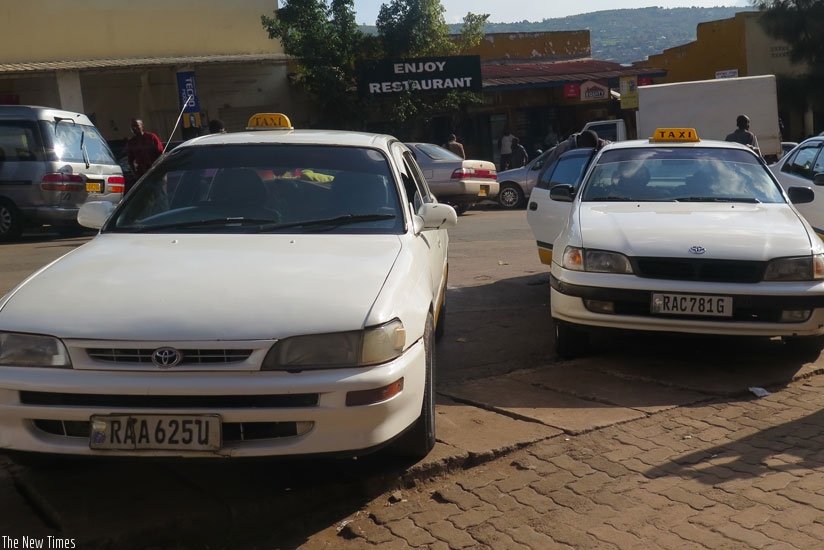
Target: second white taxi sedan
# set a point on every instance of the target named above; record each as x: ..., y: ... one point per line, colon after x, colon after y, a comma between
x: 256, y: 293
x: 684, y: 235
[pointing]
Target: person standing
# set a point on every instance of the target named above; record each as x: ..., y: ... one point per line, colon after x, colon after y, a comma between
x: 519, y: 155
x: 506, y: 148
x: 143, y: 148
x: 587, y: 138
x: 454, y: 146
x: 742, y: 133
x: 216, y: 126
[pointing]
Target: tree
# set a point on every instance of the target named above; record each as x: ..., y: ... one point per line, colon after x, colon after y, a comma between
x: 326, y: 43
x: 416, y: 28
x: 799, y: 23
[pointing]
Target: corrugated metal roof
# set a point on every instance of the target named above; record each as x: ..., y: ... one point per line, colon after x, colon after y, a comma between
x: 510, y: 76
x: 136, y: 62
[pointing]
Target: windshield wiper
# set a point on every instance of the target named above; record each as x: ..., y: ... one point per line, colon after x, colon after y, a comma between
x: 212, y: 222
x: 751, y: 200
x: 609, y: 198
x: 330, y: 222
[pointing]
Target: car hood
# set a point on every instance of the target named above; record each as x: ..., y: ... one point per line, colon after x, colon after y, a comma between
x: 732, y: 231
x: 204, y: 287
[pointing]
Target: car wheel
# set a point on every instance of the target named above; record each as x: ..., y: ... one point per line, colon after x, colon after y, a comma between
x: 11, y: 221
x: 570, y: 341
x: 460, y: 209
x: 418, y: 440
x: 511, y: 196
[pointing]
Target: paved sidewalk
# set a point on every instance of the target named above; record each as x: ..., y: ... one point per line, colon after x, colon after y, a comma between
x: 726, y: 474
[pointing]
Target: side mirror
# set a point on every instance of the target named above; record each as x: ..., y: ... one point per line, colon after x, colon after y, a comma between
x: 94, y: 214
x: 818, y: 179
x: 801, y: 195
x: 562, y: 192
x: 435, y: 215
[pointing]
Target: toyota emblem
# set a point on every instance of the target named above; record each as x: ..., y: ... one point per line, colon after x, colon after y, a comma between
x: 697, y: 250
x: 166, y: 357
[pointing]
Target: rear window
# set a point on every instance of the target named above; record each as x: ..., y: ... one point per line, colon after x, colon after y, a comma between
x: 264, y: 188
x: 681, y: 174
x: 64, y: 140
x: 436, y: 152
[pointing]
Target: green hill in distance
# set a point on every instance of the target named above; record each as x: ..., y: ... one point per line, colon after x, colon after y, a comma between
x: 624, y: 35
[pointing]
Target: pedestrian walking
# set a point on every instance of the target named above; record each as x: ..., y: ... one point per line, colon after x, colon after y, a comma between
x: 454, y: 146
x: 143, y: 148
x: 742, y: 133
x: 519, y: 155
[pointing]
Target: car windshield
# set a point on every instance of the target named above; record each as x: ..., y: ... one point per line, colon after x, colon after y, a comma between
x: 64, y: 139
x: 264, y: 188
x: 691, y: 174
x: 436, y: 152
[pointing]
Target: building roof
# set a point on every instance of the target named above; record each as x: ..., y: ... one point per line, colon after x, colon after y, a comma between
x: 136, y: 62
x: 521, y: 75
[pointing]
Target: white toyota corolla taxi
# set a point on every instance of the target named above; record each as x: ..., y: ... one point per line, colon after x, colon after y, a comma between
x: 257, y: 293
x: 684, y: 235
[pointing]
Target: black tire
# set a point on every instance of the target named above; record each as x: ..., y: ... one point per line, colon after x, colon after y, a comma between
x: 441, y: 328
x: 460, y: 209
x: 11, y: 221
x: 570, y: 341
x: 419, y: 439
x: 511, y: 196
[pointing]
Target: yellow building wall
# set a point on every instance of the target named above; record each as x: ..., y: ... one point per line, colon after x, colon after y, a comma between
x: 765, y: 54
x: 556, y: 45
x: 59, y: 30
x: 719, y: 46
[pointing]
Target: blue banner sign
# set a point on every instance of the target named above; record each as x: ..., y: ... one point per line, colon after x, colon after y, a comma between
x: 187, y: 92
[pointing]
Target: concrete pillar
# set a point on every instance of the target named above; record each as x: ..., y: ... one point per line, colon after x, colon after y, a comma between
x: 71, y: 94
x: 809, y: 125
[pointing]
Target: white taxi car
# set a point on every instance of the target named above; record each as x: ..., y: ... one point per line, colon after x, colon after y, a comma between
x: 684, y: 235
x: 257, y: 293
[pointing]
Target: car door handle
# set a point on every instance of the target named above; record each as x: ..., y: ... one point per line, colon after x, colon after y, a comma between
x: 533, y: 206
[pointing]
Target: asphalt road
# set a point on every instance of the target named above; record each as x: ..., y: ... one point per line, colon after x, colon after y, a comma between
x: 500, y: 387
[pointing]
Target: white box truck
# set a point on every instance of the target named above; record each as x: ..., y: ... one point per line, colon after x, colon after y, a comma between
x: 711, y: 107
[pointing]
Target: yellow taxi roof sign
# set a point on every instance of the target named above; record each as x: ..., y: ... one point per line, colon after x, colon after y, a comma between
x: 674, y: 135
x: 269, y: 121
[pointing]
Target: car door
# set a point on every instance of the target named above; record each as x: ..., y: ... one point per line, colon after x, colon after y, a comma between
x: 798, y: 169
x: 545, y: 216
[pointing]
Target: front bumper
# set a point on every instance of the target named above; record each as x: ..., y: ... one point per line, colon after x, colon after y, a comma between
x: 756, y: 307
x: 35, y: 403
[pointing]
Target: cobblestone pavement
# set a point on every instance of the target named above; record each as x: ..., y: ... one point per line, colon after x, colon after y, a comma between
x: 722, y: 475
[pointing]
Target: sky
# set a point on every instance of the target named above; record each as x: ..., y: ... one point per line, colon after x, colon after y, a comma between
x: 513, y: 11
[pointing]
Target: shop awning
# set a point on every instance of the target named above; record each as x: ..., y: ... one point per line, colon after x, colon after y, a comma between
x: 535, y: 74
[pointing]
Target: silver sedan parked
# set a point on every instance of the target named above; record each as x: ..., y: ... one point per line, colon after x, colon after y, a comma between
x: 453, y: 180
x: 516, y: 184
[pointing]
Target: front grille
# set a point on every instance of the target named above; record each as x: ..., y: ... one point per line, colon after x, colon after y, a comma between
x: 170, y: 401
x: 232, y: 431
x: 686, y: 269
x: 190, y: 356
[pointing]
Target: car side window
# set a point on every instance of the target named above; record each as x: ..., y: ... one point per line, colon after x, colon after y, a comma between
x: 18, y: 141
x: 413, y: 181
x: 568, y: 169
x: 802, y: 162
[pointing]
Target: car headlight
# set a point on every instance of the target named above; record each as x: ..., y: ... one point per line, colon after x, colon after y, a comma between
x: 596, y: 261
x: 805, y: 268
x: 357, y: 348
x: 32, y: 350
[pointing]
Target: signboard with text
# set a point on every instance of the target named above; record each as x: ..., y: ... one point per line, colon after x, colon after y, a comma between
x: 592, y: 91
x: 628, y: 88
x: 420, y: 75
x: 187, y: 92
